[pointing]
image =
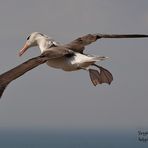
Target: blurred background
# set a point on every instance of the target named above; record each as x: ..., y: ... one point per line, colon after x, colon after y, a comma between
x: 46, y: 98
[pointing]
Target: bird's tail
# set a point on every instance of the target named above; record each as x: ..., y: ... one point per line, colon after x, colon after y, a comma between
x: 2, y: 88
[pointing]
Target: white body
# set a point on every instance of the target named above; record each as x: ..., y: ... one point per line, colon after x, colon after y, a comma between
x: 76, y: 62
x: 67, y: 63
x: 73, y: 63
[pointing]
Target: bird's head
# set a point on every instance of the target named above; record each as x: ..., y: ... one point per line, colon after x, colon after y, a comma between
x: 31, y: 41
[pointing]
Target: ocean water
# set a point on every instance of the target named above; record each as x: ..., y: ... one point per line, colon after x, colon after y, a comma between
x: 69, y: 139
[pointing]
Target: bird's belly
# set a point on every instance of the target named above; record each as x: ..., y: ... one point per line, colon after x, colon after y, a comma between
x: 62, y: 63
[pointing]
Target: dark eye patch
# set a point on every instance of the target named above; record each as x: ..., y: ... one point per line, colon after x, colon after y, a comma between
x: 28, y: 37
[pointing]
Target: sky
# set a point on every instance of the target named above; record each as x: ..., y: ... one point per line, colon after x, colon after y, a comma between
x: 51, y: 98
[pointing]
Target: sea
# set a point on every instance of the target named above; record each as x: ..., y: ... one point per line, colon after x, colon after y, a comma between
x: 48, y: 138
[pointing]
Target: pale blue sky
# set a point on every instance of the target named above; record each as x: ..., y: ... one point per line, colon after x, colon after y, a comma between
x: 45, y: 97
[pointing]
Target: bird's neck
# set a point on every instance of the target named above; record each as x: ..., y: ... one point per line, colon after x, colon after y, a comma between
x: 43, y: 44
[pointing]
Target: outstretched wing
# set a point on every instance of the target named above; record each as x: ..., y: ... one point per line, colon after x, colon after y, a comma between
x: 18, y: 71
x: 79, y: 44
x: 21, y: 69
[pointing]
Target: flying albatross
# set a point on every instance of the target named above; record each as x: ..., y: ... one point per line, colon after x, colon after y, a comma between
x: 69, y: 57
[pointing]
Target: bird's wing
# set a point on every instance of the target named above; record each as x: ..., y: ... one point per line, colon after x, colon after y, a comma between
x: 21, y: 69
x: 18, y: 71
x: 79, y: 44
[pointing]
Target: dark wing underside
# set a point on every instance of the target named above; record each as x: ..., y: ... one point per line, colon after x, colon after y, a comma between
x: 21, y: 69
x: 79, y: 44
x: 18, y: 71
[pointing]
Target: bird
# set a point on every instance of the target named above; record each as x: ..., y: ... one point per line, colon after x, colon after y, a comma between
x: 68, y: 57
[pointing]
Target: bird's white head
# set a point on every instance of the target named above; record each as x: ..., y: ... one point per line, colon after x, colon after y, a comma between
x: 32, y: 40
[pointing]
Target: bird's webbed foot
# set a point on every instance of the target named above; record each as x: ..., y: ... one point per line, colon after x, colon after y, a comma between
x: 104, y: 76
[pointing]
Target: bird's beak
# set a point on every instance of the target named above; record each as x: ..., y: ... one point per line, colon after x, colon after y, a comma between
x: 26, y: 46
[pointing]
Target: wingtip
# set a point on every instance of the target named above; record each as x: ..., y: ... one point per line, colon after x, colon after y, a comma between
x: 99, y: 35
x: 2, y: 88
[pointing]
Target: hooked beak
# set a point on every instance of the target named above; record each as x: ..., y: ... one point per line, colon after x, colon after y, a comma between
x: 26, y: 46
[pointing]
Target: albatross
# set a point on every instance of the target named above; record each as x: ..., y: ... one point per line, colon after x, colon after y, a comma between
x: 68, y: 57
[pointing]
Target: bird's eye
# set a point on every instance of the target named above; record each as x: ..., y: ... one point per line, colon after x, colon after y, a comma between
x: 28, y: 37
